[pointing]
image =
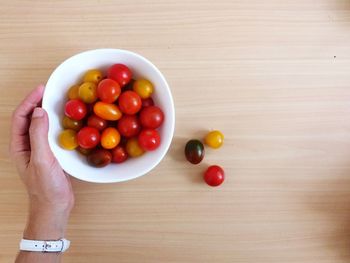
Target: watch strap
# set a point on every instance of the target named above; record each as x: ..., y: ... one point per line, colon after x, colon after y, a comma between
x: 60, y: 245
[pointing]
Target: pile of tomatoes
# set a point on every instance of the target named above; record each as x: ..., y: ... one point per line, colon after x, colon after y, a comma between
x: 111, y: 118
x: 194, y: 152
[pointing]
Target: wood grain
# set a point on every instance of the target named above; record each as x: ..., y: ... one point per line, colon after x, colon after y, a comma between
x: 272, y: 75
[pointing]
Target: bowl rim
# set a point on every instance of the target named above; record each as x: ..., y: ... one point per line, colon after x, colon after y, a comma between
x: 171, y: 105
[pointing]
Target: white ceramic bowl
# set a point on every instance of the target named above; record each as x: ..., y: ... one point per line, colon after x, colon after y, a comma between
x: 70, y: 72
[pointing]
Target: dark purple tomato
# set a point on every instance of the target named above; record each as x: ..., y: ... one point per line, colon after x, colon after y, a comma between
x: 84, y: 151
x: 99, y: 158
x: 194, y: 151
x: 147, y: 102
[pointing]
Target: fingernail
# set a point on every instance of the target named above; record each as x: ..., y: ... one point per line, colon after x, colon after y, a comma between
x: 38, y: 113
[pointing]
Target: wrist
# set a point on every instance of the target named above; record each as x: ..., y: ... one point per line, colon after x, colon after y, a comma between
x: 46, y: 223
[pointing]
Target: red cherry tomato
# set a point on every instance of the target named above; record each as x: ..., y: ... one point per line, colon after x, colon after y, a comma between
x: 147, y: 102
x: 108, y: 90
x: 75, y: 109
x: 149, y: 139
x: 96, y: 122
x: 129, y: 102
x: 88, y: 137
x: 151, y: 117
x: 120, y: 73
x: 129, y: 126
x: 119, y: 154
x: 214, y: 175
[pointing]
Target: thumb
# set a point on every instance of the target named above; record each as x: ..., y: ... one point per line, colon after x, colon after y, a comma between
x: 38, y: 130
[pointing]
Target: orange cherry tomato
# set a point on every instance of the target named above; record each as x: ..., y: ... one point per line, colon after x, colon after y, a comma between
x: 214, y: 139
x: 107, y: 111
x: 110, y: 138
x: 88, y: 92
x: 93, y: 75
x: 68, y: 139
x: 133, y: 148
x: 73, y: 92
x: 143, y: 87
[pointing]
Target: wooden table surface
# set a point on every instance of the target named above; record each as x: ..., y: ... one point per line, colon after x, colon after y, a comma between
x: 273, y: 75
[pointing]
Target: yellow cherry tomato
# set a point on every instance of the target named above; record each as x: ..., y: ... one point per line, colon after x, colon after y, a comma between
x: 68, y: 139
x: 133, y: 148
x: 69, y: 123
x: 93, y: 75
x: 107, y: 111
x: 73, y: 92
x: 143, y: 87
x: 88, y: 92
x: 110, y: 138
x: 214, y: 139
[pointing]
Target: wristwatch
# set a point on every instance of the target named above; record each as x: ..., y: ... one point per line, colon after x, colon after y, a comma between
x: 60, y: 245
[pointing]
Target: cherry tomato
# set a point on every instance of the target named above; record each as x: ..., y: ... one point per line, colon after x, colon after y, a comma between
x: 88, y: 92
x: 147, y: 102
x: 75, y: 109
x: 93, y: 75
x: 84, y: 151
x: 214, y: 175
x: 99, y: 158
x: 143, y: 87
x: 120, y: 73
x: 96, y: 122
x: 69, y: 123
x: 194, y: 151
x: 110, y: 138
x: 129, y: 126
x: 151, y: 117
x: 68, y: 140
x: 73, y: 92
x: 149, y: 139
x: 88, y: 137
x: 133, y: 148
x: 119, y: 154
x: 129, y: 102
x: 214, y: 139
x: 108, y: 90
x: 107, y: 111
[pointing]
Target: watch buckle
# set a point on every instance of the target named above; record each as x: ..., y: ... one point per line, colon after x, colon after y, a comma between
x: 47, y: 245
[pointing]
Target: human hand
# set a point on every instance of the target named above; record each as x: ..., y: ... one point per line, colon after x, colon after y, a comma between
x: 50, y: 193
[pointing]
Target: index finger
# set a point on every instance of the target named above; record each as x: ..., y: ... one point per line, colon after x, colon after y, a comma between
x: 21, y: 120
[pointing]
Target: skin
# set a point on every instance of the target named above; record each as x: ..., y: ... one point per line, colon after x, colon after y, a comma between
x: 49, y: 189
